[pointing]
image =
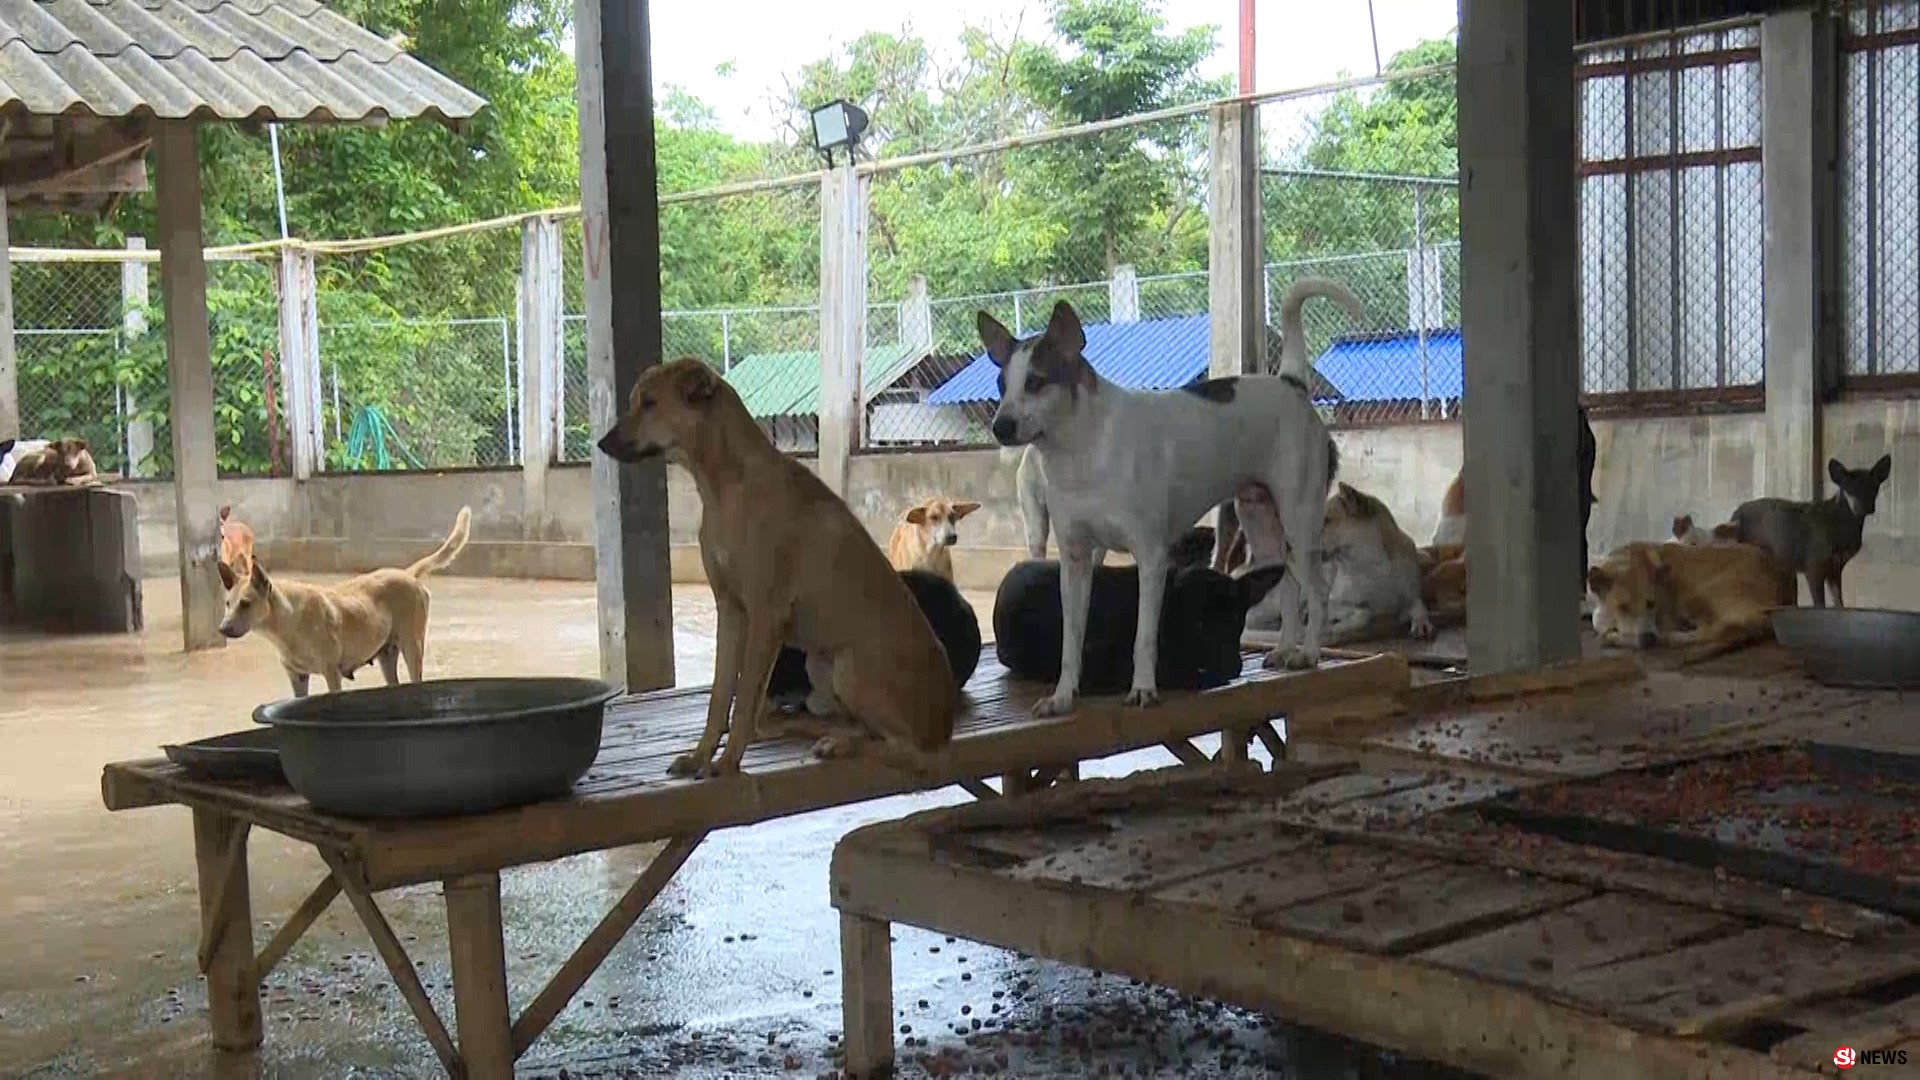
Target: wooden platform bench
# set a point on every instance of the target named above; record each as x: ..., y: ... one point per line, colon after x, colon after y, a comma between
x: 1315, y: 897
x: 70, y: 559
x: 627, y: 798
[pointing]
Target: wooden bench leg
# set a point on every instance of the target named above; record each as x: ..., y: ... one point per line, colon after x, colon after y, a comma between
x: 1233, y: 746
x: 479, y: 975
x: 226, y: 928
x: 866, y: 995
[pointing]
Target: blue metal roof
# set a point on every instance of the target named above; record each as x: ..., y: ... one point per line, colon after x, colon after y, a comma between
x: 1160, y: 354
x: 1386, y: 367
x: 1157, y: 354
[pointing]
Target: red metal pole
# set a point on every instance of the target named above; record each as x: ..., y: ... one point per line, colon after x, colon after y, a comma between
x: 1246, y: 46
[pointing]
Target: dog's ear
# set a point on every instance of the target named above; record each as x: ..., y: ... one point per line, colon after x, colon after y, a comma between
x: 1836, y: 471
x: 79, y: 446
x: 962, y: 509
x: 998, y: 341
x: 697, y: 384
x: 224, y: 511
x: 1883, y: 468
x: 1599, y: 579
x: 1064, y: 329
x: 227, y: 579
x: 917, y: 515
x: 260, y: 579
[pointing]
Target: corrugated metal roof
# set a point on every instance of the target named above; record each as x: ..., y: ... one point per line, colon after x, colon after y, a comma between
x: 1161, y: 354
x: 212, y: 59
x: 1386, y: 367
x: 1156, y: 354
x: 788, y: 383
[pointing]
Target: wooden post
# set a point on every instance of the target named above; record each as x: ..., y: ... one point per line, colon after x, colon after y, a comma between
x: 1236, y: 245
x: 479, y: 975
x: 620, y: 216
x: 133, y: 324
x: 843, y: 318
x: 226, y: 926
x: 9, y: 361
x: 541, y: 309
x: 1519, y: 317
x: 183, y: 286
x: 299, y: 367
x: 866, y: 995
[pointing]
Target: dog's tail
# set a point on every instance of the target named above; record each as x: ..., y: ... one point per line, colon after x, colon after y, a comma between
x: 1294, y: 361
x: 456, y: 542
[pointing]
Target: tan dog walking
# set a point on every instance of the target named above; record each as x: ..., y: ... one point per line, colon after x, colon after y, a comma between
x: 334, y: 632
x: 789, y: 564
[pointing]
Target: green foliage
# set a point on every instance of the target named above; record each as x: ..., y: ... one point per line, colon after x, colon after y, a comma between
x: 416, y: 331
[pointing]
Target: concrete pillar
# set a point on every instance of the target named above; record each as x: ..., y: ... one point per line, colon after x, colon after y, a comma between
x: 1518, y: 282
x: 183, y: 289
x: 1123, y: 295
x: 620, y: 215
x: 133, y: 325
x: 541, y: 304
x: 9, y: 361
x: 1799, y: 113
x: 843, y: 318
x: 1236, y: 275
x: 916, y: 316
x: 299, y: 362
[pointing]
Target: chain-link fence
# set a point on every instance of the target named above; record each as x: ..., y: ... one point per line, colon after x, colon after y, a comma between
x: 416, y: 356
x: 1114, y: 224
x: 90, y: 340
x: 1671, y: 223
x: 1880, y: 191
x: 740, y: 289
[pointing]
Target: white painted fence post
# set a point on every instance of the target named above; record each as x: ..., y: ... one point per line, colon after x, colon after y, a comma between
x: 843, y: 318
x: 133, y: 325
x: 1123, y: 295
x: 300, y: 359
x: 540, y: 304
x: 1236, y: 274
x: 916, y: 316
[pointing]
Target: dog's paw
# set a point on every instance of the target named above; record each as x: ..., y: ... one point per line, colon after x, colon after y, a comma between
x: 1053, y: 705
x: 718, y: 767
x: 1422, y: 630
x: 1143, y: 697
x: 687, y: 765
x: 829, y: 747
x: 1291, y: 660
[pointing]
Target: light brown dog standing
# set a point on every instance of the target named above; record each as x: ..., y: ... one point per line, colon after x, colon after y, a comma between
x: 789, y: 564
x: 334, y: 632
x: 924, y: 535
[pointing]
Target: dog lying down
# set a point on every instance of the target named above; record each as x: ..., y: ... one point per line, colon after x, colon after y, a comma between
x: 953, y: 621
x: 1649, y: 595
x: 1200, y: 624
x: 1375, y: 575
x: 334, y: 631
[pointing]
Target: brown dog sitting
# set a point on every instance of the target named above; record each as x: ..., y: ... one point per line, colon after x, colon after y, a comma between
x: 789, y: 564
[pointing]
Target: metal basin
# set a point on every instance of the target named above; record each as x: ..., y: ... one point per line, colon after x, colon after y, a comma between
x: 456, y: 746
x: 1857, y: 647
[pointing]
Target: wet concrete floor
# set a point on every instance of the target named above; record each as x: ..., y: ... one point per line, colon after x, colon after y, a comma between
x: 733, y: 972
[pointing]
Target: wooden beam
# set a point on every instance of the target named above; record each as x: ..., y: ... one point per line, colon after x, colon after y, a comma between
x: 843, y: 319
x: 226, y: 920
x: 183, y: 283
x: 979, y: 789
x: 296, y: 925
x: 594, y: 950
x: 866, y: 995
x: 477, y: 948
x: 1188, y: 753
x: 72, y: 154
x: 399, y: 964
x: 620, y: 217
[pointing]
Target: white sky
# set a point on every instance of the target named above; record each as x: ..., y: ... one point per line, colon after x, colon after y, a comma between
x: 1296, y: 42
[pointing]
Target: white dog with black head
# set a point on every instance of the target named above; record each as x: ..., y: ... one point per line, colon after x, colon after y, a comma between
x: 1131, y: 470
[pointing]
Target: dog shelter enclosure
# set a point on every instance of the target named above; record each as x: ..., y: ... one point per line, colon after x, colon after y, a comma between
x: 92, y: 88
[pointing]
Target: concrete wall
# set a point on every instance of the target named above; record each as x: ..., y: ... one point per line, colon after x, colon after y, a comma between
x: 1648, y: 471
